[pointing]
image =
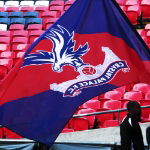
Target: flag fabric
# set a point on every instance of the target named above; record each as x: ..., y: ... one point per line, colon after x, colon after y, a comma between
x: 89, y: 50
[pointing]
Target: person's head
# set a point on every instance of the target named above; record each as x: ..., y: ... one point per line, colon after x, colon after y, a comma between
x: 134, y: 110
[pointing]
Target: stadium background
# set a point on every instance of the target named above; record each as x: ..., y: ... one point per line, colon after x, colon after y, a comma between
x: 22, y: 22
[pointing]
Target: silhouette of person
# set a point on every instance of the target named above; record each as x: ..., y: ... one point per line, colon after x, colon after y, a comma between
x: 130, y: 131
x: 148, y: 136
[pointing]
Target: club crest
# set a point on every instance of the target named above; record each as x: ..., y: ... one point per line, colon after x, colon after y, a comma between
x: 65, y: 54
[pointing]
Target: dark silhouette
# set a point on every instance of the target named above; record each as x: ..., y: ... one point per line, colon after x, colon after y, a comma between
x: 130, y: 131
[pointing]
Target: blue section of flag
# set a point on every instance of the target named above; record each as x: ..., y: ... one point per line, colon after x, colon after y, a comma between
x: 42, y: 117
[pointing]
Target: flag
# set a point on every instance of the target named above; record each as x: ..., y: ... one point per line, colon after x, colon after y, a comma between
x: 89, y: 50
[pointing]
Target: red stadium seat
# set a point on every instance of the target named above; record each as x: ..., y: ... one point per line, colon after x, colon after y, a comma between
x: 121, y: 2
x: 49, y: 14
x: 102, y: 101
x: 59, y: 10
x: 112, y: 105
x: 79, y: 124
x: 133, y: 12
x: 132, y: 2
x: 20, y: 40
x: 11, y: 8
x: 142, y: 87
x: 4, y: 33
x: 32, y: 27
x: 4, y: 47
x: 49, y: 22
x: 20, y: 33
x: 20, y: 47
x: 6, y: 63
x: 148, y: 37
x: 114, y: 95
x: 91, y: 119
x: 66, y: 130
x: 94, y: 104
x: 147, y: 96
x: 5, y: 40
x: 56, y: 3
x: 133, y: 96
x: 145, y: 111
x: 14, y: 27
x: 110, y: 123
x: 103, y: 117
x: 41, y: 9
x: 145, y: 6
x: 26, y: 8
x: 34, y: 35
x: 7, y: 54
x: 141, y: 32
x: 121, y: 89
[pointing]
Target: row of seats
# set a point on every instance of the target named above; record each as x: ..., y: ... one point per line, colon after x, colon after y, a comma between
x: 135, y: 8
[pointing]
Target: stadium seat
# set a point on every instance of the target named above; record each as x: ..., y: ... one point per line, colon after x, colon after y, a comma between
x: 33, y: 21
x: 66, y: 130
x: 49, y: 22
x: 113, y: 105
x: 79, y: 124
x: 148, y: 37
x: 26, y: 8
x: 5, y: 21
x: 91, y: 119
x: 1, y: 3
x: 121, y: 2
x: 32, y: 14
x: 20, y: 33
x: 132, y: 2
x: 133, y: 12
x: 3, y: 71
x: 110, y: 123
x: 133, y: 96
x: 7, y: 54
x: 145, y: 111
x: 145, y: 7
x: 57, y: 3
x: 42, y: 3
x: 121, y: 89
x: 19, y: 54
x: 17, y: 21
x: 12, y: 3
x: 102, y: 118
x: 14, y: 27
x: 4, y: 34
x: 94, y: 104
x: 142, y: 87
x: 12, y: 8
x: 15, y: 15
x: 6, y: 63
x: 4, y: 47
x: 20, y: 47
x: 3, y: 14
x: 141, y: 32
x: 3, y: 27
x: 5, y: 40
x: 147, y: 96
x: 49, y: 14
x: 20, y: 40
x: 113, y: 95
x: 59, y: 10
x: 32, y: 27
x: 40, y: 10
x: 33, y: 35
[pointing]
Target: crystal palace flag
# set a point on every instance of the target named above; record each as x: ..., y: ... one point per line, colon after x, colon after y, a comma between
x: 91, y: 49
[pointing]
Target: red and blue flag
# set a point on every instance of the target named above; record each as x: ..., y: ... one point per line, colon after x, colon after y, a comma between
x: 90, y: 50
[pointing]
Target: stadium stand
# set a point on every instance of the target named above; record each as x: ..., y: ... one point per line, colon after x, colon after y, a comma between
x: 21, y: 23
